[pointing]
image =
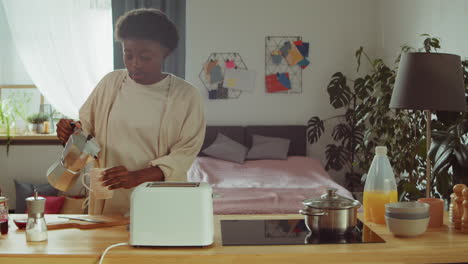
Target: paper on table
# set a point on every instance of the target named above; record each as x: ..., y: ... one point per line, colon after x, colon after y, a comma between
x: 239, y: 79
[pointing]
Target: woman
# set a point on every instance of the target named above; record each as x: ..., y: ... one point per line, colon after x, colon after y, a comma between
x: 150, y: 124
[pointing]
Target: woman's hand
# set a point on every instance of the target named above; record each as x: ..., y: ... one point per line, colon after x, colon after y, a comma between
x: 65, y: 129
x: 120, y: 177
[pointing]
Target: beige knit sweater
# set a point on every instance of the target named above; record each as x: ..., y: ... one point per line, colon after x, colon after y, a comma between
x: 180, y: 137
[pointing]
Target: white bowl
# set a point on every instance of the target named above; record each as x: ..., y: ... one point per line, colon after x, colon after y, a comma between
x: 408, y: 216
x: 407, y: 208
x: 405, y: 227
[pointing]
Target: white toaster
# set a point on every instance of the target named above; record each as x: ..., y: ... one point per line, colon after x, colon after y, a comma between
x: 171, y: 214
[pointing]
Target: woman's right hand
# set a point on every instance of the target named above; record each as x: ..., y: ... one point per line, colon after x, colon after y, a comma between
x: 65, y: 129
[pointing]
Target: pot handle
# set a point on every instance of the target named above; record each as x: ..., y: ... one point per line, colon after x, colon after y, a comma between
x: 305, y: 212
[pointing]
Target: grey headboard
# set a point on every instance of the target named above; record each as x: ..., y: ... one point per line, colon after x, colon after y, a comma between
x: 243, y: 135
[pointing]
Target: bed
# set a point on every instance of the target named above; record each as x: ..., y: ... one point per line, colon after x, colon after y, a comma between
x: 263, y: 186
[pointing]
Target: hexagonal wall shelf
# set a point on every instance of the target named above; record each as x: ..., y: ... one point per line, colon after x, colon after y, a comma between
x: 212, y: 74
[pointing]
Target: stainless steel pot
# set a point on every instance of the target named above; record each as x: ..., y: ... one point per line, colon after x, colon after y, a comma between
x: 330, y: 213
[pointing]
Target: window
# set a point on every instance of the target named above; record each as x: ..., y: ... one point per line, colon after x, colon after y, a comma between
x: 19, y: 97
x: 20, y: 102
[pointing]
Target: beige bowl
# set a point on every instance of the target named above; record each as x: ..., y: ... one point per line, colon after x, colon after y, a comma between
x: 405, y: 227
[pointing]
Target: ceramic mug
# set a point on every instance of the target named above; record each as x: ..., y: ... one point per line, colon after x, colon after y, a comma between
x: 436, y: 211
x: 95, y: 185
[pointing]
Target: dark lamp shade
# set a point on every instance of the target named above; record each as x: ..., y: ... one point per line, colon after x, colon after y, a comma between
x: 429, y: 81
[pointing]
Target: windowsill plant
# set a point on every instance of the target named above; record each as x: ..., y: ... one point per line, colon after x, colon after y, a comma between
x: 36, y: 122
x: 7, y: 120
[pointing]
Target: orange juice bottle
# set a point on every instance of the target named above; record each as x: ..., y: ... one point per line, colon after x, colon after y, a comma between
x: 380, y: 187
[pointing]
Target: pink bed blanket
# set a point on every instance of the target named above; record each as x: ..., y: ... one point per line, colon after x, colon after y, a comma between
x: 261, y: 200
x: 263, y: 186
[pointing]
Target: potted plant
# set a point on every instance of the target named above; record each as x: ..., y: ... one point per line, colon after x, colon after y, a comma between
x: 36, y: 122
x: 347, y: 134
x: 368, y: 122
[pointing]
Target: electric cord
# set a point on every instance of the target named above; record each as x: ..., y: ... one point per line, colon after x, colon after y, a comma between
x: 101, y: 259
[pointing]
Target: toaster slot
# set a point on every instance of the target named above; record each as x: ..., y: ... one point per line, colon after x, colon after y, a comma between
x: 172, y: 184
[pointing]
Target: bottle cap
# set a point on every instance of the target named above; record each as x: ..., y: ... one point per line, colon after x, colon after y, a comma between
x: 381, y: 150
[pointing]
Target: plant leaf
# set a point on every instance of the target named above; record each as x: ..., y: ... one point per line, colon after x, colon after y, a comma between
x: 341, y: 131
x: 339, y: 91
x: 427, y: 45
x: 315, y: 129
x: 362, y: 88
x: 442, y: 158
x: 350, y: 116
x: 356, y: 139
x: 358, y: 55
x: 443, y: 183
x: 462, y: 155
x: 410, y: 187
x: 336, y: 157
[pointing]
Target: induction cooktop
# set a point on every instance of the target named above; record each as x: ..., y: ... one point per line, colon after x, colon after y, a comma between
x: 288, y: 232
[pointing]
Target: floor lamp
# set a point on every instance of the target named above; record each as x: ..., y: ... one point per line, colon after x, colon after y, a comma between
x: 429, y: 82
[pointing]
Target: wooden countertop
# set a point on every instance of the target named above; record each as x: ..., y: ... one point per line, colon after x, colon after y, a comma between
x: 438, y: 245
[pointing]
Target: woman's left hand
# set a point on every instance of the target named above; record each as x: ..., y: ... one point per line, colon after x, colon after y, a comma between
x: 120, y: 177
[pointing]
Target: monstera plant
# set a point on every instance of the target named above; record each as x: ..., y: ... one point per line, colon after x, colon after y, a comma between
x: 347, y: 134
x: 366, y: 122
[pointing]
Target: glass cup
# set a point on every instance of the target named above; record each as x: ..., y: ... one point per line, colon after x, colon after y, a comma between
x: 95, y: 185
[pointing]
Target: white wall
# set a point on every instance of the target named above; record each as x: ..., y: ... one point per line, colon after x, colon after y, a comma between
x: 402, y: 22
x: 334, y: 28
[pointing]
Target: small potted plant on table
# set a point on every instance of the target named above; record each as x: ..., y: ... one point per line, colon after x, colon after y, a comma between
x: 36, y: 122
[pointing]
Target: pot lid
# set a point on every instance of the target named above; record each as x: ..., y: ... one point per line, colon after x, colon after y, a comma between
x: 331, y: 200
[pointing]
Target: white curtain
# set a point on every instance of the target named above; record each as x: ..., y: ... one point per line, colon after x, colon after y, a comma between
x: 12, y: 70
x: 65, y: 46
